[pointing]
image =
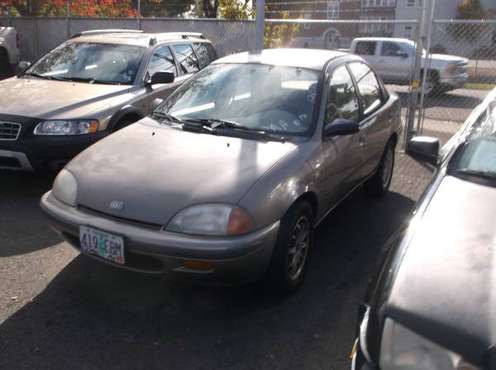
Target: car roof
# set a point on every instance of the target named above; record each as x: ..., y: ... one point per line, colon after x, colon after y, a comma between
x: 304, y: 58
x: 135, y: 38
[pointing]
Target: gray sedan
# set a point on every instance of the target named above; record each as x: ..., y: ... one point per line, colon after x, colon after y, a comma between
x: 230, y: 176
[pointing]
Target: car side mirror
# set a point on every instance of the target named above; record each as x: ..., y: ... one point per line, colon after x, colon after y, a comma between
x: 424, y: 148
x: 341, y: 127
x: 23, y: 65
x: 162, y: 77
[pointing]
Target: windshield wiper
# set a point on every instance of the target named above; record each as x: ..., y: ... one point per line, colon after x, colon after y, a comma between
x: 490, y: 175
x: 214, y: 124
x: 89, y: 80
x: 166, y: 116
x: 37, y: 75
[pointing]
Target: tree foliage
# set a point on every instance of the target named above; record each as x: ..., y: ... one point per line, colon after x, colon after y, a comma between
x: 80, y: 8
x: 468, y: 9
x: 279, y: 35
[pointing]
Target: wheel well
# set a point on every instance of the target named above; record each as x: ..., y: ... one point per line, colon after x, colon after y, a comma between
x: 394, y: 139
x: 4, y: 53
x: 312, y: 199
x: 430, y: 71
x: 129, y: 117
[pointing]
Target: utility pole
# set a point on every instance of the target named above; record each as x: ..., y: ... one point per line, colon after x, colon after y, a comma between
x: 139, y: 14
x: 259, y: 24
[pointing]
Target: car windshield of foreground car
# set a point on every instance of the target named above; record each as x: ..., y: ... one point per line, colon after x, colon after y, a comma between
x: 90, y: 62
x: 251, y: 97
x: 476, y: 157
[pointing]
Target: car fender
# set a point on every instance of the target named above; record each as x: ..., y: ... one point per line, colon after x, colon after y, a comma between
x: 125, y: 111
x: 292, y: 177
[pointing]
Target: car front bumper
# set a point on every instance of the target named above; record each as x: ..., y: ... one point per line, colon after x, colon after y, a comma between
x: 31, y: 152
x: 237, y: 259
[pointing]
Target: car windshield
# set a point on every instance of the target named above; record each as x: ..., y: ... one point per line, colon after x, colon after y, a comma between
x: 260, y: 97
x: 476, y: 158
x: 90, y: 62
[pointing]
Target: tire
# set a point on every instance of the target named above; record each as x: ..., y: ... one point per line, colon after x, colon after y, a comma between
x: 289, y: 261
x: 433, y: 87
x: 5, y: 67
x: 379, y: 184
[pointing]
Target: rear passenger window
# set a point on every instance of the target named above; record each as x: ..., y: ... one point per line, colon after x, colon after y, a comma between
x: 186, y: 58
x: 342, y: 101
x: 368, y: 87
x: 391, y: 49
x: 365, y: 48
x: 162, y: 60
x: 202, y: 53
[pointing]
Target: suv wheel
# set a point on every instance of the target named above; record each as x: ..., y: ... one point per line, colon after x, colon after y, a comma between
x: 5, y: 67
x: 290, y: 258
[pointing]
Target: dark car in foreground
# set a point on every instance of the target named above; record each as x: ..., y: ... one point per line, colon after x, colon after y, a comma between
x: 90, y: 86
x: 228, y: 178
x: 432, y: 305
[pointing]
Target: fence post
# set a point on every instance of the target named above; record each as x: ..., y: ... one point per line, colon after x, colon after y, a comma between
x: 139, y: 14
x: 68, y: 17
x: 427, y: 63
x: 259, y: 24
x: 415, y: 84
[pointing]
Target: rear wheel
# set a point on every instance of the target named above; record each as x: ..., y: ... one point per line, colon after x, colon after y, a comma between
x: 378, y: 184
x: 290, y: 258
x: 5, y: 67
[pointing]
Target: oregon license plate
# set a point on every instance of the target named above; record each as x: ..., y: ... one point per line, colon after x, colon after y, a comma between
x: 102, y: 244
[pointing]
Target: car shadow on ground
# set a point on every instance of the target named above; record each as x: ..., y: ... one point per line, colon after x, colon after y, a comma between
x: 94, y: 316
x: 23, y: 227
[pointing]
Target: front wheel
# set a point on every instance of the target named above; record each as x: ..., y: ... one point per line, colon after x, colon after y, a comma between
x: 379, y: 184
x: 290, y: 258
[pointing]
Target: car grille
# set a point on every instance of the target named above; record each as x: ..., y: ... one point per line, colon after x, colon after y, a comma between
x: 9, y: 130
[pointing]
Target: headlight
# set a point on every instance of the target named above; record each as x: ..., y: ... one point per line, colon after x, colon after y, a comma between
x: 402, y: 349
x: 64, y: 127
x: 211, y: 219
x: 65, y: 188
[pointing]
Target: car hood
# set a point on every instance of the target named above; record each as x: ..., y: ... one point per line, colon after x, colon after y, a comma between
x: 445, y: 285
x: 157, y: 170
x: 37, y: 98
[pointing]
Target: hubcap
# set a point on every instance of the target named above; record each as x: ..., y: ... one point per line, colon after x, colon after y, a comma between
x: 298, y: 251
x: 388, y: 168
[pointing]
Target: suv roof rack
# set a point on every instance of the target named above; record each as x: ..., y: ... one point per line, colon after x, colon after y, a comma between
x: 103, y: 32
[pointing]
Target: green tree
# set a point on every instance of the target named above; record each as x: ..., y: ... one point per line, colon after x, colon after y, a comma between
x: 279, y: 35
x: 468, y: 9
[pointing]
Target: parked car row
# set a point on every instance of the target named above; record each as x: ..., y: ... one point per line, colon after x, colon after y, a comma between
x: 222, y: 168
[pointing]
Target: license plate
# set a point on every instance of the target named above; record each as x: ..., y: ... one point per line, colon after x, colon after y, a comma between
x: 102, y: 244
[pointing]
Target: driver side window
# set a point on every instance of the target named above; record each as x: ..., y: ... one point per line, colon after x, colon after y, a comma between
x: 342, y: 101
x: 162, y: 60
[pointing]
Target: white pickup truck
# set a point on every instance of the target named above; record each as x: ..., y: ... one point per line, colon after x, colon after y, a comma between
x: 9, y: 51
x: 393, y: 59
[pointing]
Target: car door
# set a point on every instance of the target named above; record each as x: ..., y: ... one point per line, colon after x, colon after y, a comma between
x: 161, y: 60
x: 374, y: 121
x: 396, y: 60
x: 341, y: 154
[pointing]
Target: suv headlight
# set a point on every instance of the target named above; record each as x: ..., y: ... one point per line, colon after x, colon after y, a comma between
x: 402, y: 349
x: 211, y: 219
x: 65, y: 188
x: 67, y: 127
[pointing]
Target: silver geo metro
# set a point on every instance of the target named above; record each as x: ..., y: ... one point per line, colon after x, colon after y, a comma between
x: 228, y: 178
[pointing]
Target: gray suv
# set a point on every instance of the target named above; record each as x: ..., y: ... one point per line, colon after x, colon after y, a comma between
x: 88, y: 87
